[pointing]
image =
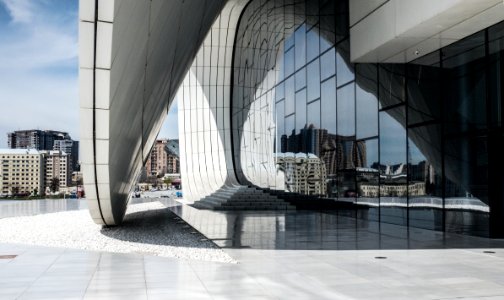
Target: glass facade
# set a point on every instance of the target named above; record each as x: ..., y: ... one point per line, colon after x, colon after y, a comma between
x: 417, y: 144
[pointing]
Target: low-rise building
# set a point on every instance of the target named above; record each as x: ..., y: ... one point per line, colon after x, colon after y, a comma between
x: 22, y: 171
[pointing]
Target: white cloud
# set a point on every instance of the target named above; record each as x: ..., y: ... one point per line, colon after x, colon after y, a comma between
x: 21, y: 11
x: 38, y: 67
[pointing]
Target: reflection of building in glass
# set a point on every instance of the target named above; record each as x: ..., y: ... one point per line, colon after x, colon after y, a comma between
x: 337, y: 152
x: 367, y: 182
x: 423, y: 173
x: 393, y: 180
x: 304, y: 173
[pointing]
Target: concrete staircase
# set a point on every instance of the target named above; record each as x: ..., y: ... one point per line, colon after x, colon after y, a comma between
x: 242, y: 198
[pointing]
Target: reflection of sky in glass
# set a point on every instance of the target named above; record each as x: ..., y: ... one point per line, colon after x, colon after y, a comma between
x: 313, y: 78
x: 392, y: 139
x: 415, y: 156
x: 289, y: 96
x: 300, y: 46
x: 327, y: 64
x: 289, y: 62
x: 324, y: 44
x: 346, y: 110
x: 367, y: 113
x: 314, y: 114
x: 312, y: 44
x: 371, y: 152
x: 328, y: 102
x: 300, y: 109
x: 345, y: 74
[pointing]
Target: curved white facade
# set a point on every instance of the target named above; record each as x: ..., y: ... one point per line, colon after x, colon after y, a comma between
x: 134, y: 55
x: 271, y: 97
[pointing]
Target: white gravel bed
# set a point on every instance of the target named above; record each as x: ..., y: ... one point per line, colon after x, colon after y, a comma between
x: 149, y: 228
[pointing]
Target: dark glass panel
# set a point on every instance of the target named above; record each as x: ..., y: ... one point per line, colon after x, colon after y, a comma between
x: 392, y: 84
x: 466, y: 189
x: 463, y: 64
x: 312, y: 14
x: 327, y: 24
x: 368, y: 178
x: 425, y: 186
x: 342, y: 20
x: 424, y: 94
x: 496, y: 34
x: 467, y: 50
x: 393, y: 169
x: 464, y: 69
x: 496, y: 74
x: 366, y: 101
x: 430, y: 60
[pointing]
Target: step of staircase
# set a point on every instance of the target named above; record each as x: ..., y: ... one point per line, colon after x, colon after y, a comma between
x: 238, y: 198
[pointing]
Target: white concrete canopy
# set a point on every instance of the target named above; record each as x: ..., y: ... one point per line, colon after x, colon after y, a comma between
x: 398, y: 31
x: 134, y: 55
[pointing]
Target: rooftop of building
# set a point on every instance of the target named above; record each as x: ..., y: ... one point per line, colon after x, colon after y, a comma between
x: 19, y: 151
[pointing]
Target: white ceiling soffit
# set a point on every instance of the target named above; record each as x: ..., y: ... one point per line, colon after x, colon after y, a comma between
x: 399, y: 31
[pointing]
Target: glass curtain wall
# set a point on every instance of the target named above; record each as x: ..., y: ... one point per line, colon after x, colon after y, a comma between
x: 415, y: 144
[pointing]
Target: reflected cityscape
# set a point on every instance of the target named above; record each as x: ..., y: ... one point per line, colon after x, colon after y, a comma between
x: 392, y: 138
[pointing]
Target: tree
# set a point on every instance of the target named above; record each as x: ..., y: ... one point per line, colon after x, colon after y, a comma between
x: 54, y: 185
x: 168, y: 181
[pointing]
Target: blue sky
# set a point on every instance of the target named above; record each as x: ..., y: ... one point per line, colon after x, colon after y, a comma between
x: 39, y: 68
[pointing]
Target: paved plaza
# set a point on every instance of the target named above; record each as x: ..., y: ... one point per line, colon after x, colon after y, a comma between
x: 272, y: 262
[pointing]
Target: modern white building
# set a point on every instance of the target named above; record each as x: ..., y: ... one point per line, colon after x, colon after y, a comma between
x: 403, y: 82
